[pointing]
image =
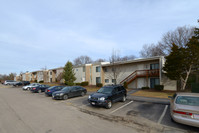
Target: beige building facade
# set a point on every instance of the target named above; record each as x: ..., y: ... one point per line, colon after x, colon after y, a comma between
x: 137, y: 73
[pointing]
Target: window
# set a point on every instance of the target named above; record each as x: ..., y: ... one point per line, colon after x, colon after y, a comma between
x: 98, y: 69
x: 76, y: 69
x: 50, y: 73
x: 98, y: 80
x: 154, y: 66
x: 84, y: 68
x: 106, y: 80
x: 105, y: 70
x: 113, y: 80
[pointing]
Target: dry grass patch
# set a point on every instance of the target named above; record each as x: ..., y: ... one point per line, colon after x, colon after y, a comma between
x: 156, y: 94
x: 51, y: 84
x: 92, y: 88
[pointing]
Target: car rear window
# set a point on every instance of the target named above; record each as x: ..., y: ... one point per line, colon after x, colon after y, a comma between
x: 188, y: 100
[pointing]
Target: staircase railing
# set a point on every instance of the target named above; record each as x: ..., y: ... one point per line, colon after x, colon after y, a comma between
x: 140, y: 73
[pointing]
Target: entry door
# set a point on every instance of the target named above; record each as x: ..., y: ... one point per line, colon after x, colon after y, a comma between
x: 154, y: 81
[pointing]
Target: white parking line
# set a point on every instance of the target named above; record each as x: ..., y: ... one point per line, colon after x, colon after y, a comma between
x: 163, y: 114
x: 120, y: 107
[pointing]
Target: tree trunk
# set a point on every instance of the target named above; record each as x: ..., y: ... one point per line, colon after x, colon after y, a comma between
x: 187, y: 76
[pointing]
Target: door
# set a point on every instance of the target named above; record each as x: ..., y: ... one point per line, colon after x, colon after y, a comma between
x: 153, y: 82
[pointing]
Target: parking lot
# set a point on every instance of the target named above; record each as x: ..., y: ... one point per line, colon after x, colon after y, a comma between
x: 156, y: 113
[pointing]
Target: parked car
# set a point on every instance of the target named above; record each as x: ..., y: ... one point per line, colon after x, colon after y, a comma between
x: 184, y: 108
x: 39, y: 88
x: 25, y: 82
x: 27, y: 87
x: 17, y: 84
x: 52, y: 89
x: 107, y: 95
x: 68, y: 92
x: 9, y: 82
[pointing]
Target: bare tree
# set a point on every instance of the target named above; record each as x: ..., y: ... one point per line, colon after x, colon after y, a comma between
x: 115, y: 69
x: 82, y: 60
x: 150, y: 50
x: 180, y: 36
x: 125, y: 58
x: 100, y: 60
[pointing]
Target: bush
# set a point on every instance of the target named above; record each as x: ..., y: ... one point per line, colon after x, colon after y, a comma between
x: 84, y: 83
x: 99, y: 84
x: 125, y: 85
x: 145, y: 88
x: 159, y: 87
x: 69, y: 84
x: 78, y: 84
x: 195, y: 87
x: 41, y: 81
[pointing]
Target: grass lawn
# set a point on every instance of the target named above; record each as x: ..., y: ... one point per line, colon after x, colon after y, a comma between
x: 151, y: 93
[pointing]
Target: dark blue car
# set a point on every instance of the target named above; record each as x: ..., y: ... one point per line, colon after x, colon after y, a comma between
x: 52, y: 89
x: 39, y: 88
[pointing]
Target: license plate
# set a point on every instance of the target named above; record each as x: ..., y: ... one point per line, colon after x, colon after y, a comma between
x: 196, y: 116
x: 53, y: 96
x: 93, y: 103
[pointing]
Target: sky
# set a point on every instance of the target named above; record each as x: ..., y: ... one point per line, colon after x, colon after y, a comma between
x: 47, y: 33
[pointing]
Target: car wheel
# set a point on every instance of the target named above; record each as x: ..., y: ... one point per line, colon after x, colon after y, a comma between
x: 39, y: 91
x: 82, y: 94
x: 109, y: 105
x: 124, y: 98
x: 65, y: 97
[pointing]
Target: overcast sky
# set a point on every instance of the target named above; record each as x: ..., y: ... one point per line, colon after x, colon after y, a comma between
x: 39, y: 33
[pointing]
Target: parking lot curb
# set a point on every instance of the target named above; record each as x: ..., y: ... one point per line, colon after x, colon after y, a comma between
x: 149, y: 99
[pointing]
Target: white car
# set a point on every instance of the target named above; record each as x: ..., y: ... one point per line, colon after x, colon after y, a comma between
x: 9, y: 82
x: 27, y: 87
x: 184, y: 108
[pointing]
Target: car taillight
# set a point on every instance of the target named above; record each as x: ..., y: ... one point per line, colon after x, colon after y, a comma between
x: 48, y: 90
x: 33, y: 88
x: 183, y: 113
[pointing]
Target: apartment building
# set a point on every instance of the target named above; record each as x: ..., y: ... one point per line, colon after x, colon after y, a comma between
x: 55, y: 75
x: 137, y: 73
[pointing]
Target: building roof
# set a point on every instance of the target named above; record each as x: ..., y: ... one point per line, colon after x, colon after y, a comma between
x: 134, y: 61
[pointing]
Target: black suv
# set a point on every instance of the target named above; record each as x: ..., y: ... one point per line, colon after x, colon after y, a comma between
x: 107, y: 95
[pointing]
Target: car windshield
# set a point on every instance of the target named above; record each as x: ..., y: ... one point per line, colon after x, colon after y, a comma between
x: 105, y: 90
x: 66, y: 89
x: 52, y: 87
x: 188, y: 100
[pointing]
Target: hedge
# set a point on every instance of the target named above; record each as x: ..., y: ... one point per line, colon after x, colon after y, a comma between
x: 84, y: 83
x: 99, y: 84
x: 145, y: 88
x: 159, y: 87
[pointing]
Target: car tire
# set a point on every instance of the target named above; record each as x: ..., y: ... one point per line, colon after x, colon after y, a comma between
x: 124, y: 98
x: 65, y: 97
x: 109, y: 105
x: 82, y: 94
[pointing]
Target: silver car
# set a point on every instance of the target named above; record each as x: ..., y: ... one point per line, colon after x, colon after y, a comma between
x: 27, y: 87
x: 184, y: 108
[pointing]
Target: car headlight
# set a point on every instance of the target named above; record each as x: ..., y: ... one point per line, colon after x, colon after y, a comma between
x: 102, y: 98
x: 89, y: 97
x: 61, y: 94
